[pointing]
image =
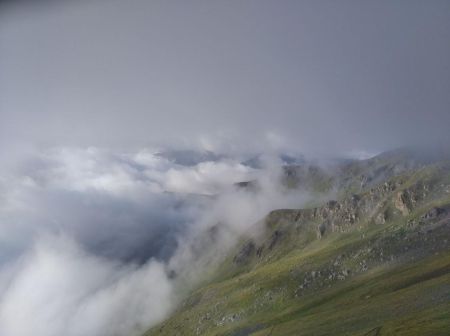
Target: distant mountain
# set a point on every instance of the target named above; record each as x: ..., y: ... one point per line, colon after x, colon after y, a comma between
x: 189, y: 157
x: 374, y: 261
x: 257, y: 161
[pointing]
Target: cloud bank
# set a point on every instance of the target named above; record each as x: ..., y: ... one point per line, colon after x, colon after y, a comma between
x: 57, y: 288
x: 100, y: 242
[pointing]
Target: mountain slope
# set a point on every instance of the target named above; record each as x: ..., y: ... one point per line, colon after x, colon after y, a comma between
x: 375, y: 262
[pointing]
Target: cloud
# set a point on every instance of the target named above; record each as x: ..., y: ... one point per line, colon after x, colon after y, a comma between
x: 95, y: 196
x: 206, y: 178
x: 102, y: 242
x: 57, y: 288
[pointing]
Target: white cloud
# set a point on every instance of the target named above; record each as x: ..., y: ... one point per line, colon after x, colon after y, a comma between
x: 58, y: 289
x: 206, y: 178
x: 86, y: 235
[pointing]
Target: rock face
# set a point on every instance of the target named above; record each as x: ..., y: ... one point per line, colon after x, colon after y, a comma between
x: 321, y: 228
x: 244, y: 253
x: 274, y: 239
x: 403, y: 203
x: 436, y: 212
x: 391, y: 200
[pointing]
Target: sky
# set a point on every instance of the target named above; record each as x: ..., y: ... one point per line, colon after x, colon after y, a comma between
x: 314, y: 76
x: 107, y: 212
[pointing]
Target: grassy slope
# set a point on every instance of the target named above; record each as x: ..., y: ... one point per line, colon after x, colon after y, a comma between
x: 390, y: 279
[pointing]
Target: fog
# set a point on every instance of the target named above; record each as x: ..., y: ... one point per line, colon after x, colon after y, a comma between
x: 57, y: 288
x: 98, y: 242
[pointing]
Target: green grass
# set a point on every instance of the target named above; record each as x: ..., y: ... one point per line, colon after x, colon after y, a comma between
x: 401, y: 298
x: 383, y: 298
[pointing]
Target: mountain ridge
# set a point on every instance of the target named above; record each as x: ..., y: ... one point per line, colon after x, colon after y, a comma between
x: 384, y: 247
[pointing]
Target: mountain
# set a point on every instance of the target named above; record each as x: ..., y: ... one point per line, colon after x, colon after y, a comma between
x: 188, y: 157
x: 259, y: 161
x: 374, y: 261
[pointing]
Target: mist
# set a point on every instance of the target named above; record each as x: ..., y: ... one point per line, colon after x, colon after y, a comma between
x: 98, y: 242
x: 57, y: 288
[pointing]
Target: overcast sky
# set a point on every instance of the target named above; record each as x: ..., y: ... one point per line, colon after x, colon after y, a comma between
x: 325, y: 76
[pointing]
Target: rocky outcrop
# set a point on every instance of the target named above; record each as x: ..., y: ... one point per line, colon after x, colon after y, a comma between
x: 403, y: 203
x: 435, y: 213
x: 244, y: 253
x: 379, y: 205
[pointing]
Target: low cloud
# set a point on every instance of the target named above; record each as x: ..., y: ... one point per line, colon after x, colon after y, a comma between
x: 57, y: 288
x: 97, y: 242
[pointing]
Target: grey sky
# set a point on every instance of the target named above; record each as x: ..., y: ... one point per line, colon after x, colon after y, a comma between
x: 312, y: 75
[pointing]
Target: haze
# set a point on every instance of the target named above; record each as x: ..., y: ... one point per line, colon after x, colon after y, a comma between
x: 317, y: 76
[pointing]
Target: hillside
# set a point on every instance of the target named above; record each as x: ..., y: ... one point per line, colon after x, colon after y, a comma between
x: 375, y: 261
